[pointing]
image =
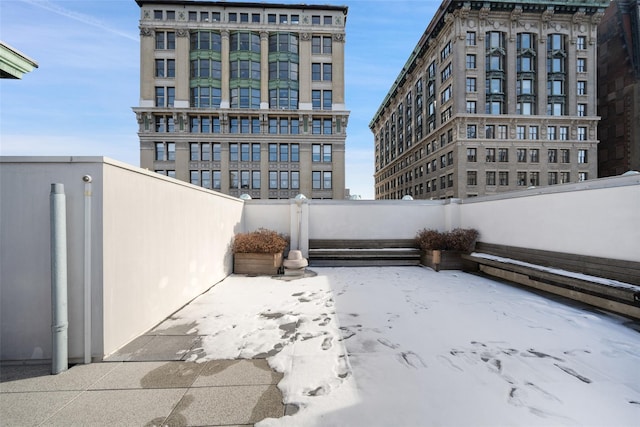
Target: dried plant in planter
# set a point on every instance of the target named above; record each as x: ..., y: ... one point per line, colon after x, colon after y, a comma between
x: 460, y: 239
x: 260, y: 241
x: 428, y: 239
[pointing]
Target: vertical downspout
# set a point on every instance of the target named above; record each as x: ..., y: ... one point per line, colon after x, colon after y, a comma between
x: 59, y: 318
x: 87, y: 268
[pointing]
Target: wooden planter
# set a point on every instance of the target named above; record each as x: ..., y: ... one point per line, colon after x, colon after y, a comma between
x: 442, y: 260
x: 257, y: 264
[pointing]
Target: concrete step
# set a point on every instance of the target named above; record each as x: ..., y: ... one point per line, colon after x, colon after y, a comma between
x: 340, y: 257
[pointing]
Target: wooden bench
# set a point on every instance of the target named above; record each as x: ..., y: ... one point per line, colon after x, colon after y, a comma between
x: 602, y: 282
x: 353, y: 252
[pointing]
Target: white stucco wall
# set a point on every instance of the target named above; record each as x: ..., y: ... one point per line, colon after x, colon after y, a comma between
x: 156, y: 244
x: 368, y: 219
x: 595, y: 218
x: 25, y: 256
x: 165, y: 242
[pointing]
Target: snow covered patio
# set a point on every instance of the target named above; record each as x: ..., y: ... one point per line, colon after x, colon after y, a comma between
x: 406, y: 346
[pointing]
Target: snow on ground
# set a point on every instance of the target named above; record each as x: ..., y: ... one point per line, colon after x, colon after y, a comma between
x: 406, y: 346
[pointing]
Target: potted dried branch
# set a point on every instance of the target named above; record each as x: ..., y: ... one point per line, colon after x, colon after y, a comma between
x: 443, y: 250
x: 258, y: 252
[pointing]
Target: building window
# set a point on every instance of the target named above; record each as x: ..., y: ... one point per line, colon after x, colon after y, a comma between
x: 194, y: 151
x: 533, y: 132
x: 491, y: 178
x: 502, y: 131
x: 581, y: 65
x: 490, y: 131
x: 315, y: 152
x: 582, y: 156
x: 582, y: 133
x: 534, y: 155
x: 581, y: 43
x: 255, y: 152
x: 582, y: 87
x: 471, y: 84
x: 503, y: 178
x: 327, y: 182
x: 446, y: 73
x: 565, y: 177
x: 446, y: 51
x: 564, y: 156
x: 582, y: 176
x: 160, y: 156
x: 316, y: 182
x: 284, y: 179
x: 564, y: 133
x: 491, y: 155
x: 471, y: 38
x: 522, y: 155
x: 255, y: 180
x: 321, y: 45
x: 534, y: 178
x: 327, y: 99
x: 446, y: 94
x: 552, y: 178
x: 472, y: 178
x: 525, y: 108
x: 450, y: 180
x: 471, y: 62
x: 472, y: 131
x: 165, y: 40
x: 471, y: 155
x: 522, y: 179
x: 327, y: 154
x: 471, y: 107
x: 273, y: 180
x: 217, y: 152
x: 316, y: 72
x: 245, y: 153
x: 552, y: 155
x: 582, y: 110
x: 295, y: 152
x: 273, y: 152
x: 295, y: 180
x: 217, y: 180
x: 194, y: 177
x: 503, y: 155
x: 551, y: 133
x: 233, y: 152
x: 520, y: 132
x: 284, y: 152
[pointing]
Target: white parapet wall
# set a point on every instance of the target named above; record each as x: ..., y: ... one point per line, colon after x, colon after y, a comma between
x: 598, y: 218
x: 156, y: 243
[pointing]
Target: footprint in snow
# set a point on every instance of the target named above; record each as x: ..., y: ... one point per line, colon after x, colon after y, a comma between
x: 327, y: 343
x: 411, y: 359
x: 387, y: 343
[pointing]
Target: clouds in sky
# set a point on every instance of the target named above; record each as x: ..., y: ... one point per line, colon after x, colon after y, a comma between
x: 79, y: 100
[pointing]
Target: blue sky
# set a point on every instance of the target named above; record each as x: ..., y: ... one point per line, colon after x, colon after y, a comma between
x: 78, y: 102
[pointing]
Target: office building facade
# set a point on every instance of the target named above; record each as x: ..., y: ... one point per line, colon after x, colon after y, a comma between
x: 244, y: 98
x: 496, y: 96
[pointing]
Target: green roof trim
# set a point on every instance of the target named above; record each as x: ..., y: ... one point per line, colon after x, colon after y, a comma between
x: 13, y: 63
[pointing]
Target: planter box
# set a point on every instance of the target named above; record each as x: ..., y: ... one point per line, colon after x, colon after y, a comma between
x: 257, y: 264
x: 449, y: 260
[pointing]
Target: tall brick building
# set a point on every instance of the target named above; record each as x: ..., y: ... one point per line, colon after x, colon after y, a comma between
x: 619, y: 89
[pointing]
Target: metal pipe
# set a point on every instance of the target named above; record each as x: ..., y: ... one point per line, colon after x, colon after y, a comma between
x: 59, y: 318
x: 87, y: 268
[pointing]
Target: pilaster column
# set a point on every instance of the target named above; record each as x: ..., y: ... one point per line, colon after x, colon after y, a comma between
x: 304, y: 72
x: 182, y: 69
x: 147, y: 65
x: 337, y: 47
x: 264, y: 70
x: 224, y: 102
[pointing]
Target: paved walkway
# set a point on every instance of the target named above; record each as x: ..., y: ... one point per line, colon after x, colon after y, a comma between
x: 149, y: 382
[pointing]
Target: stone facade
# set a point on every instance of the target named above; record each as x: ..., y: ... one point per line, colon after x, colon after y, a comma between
x: 495, y: 97
x: 244, y: 98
